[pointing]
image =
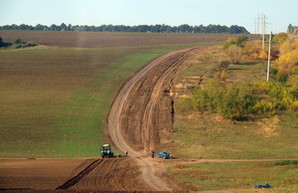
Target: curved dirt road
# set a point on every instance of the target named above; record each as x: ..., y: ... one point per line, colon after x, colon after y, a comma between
x: 141, y: 115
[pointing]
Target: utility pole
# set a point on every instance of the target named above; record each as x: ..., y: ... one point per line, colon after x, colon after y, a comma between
x: 263, y: 30
x: 269, y: 56
x: 258, y: 26
x: 256, y: 23
x: 261, y: 27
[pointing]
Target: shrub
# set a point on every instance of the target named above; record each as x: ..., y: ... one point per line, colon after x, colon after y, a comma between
x: 265, y: 108
x: 223, y: 75
x: 205, y: 58
x: 282, y: 77
x: 17, y: 41
x: 287, y: 62
x: 288, y: 46
x: 238, y: 41
x: 280, y: 38
x: 1, y: 41
x: 287, y: 162
x: 184, y: 104
x: 231, y: 100
x: 223, y: 64
x: 234, y: 52
x: 237, y: 99
x: 276, y: 96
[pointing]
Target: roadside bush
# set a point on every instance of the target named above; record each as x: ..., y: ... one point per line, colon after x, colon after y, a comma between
x: 274, y: 97
x: 233, y: 47
x: 280, y: 38
x: 282, y: 77
x: 205, y: 58
x: 223, y: 75
x: 265, y: 108
x: 184, y: 104
x: 287, y: 62
x: 235, y: 53
x: 232, y: 100
x: 252, y: 49
x: 281, y: 94
x: 223, y: 64
x: 288, y: 46
x: 237, y: 100
x: 238, y: 41
x: 1, y: 41
x: 17, y: 41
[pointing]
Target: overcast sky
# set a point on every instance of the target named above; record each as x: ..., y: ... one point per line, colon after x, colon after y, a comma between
x: 134, y: 12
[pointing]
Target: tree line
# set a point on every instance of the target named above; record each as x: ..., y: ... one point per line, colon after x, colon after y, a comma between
x: 185, y: 28
x: 292, y: 29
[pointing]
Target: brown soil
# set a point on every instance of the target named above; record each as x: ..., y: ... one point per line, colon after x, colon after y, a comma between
x: 38, y: 173
x: 109, y: 39
x: 72, y: 174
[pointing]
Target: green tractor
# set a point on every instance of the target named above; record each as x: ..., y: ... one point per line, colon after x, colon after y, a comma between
x: 106, y: 151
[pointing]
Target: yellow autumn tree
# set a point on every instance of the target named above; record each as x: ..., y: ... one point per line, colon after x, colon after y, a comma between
x: 287, y: 62
x: 254, y: 50
x: 288, y: 46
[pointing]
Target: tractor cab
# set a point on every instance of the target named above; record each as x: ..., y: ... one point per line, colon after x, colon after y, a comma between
x: 106, y: 151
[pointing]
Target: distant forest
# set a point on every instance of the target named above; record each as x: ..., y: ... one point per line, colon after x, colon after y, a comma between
x: 185, y: 28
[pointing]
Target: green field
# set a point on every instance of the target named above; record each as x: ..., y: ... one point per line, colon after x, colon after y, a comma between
x: 54, y: 100
x: 239, y: 176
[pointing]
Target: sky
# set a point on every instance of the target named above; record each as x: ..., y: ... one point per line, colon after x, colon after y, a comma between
x: 137, y: 12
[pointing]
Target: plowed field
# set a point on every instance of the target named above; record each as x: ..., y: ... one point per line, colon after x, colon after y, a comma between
x: 109, y: 39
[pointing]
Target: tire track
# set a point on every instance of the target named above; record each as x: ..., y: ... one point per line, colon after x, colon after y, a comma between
x: 110, y: 175
x: 80, y: 176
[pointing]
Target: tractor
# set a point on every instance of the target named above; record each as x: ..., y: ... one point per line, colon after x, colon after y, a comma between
x: 106, y: 151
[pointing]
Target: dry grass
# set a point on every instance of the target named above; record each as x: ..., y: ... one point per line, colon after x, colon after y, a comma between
x: 238, y: 176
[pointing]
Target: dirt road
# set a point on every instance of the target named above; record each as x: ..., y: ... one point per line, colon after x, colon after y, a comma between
x: 141, y: 116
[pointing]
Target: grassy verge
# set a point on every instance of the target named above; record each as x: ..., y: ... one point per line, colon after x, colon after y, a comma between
x: 210, y: 136
x: 282, y: 175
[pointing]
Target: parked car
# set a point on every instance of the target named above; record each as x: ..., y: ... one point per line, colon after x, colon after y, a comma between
x: 262, y: 186
x: 164, y: 154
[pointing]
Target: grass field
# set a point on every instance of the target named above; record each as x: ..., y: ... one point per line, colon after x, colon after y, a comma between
x: 209, y: 135
x: 54, y: 100
x: 282, y: 175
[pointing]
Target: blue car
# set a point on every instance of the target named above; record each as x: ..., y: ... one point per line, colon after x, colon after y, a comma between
x: 164, y: 154
x: 262, y: 186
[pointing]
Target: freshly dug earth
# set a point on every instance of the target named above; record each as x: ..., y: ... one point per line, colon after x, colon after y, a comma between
x: 76, y: 174
x: 38, y: 173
